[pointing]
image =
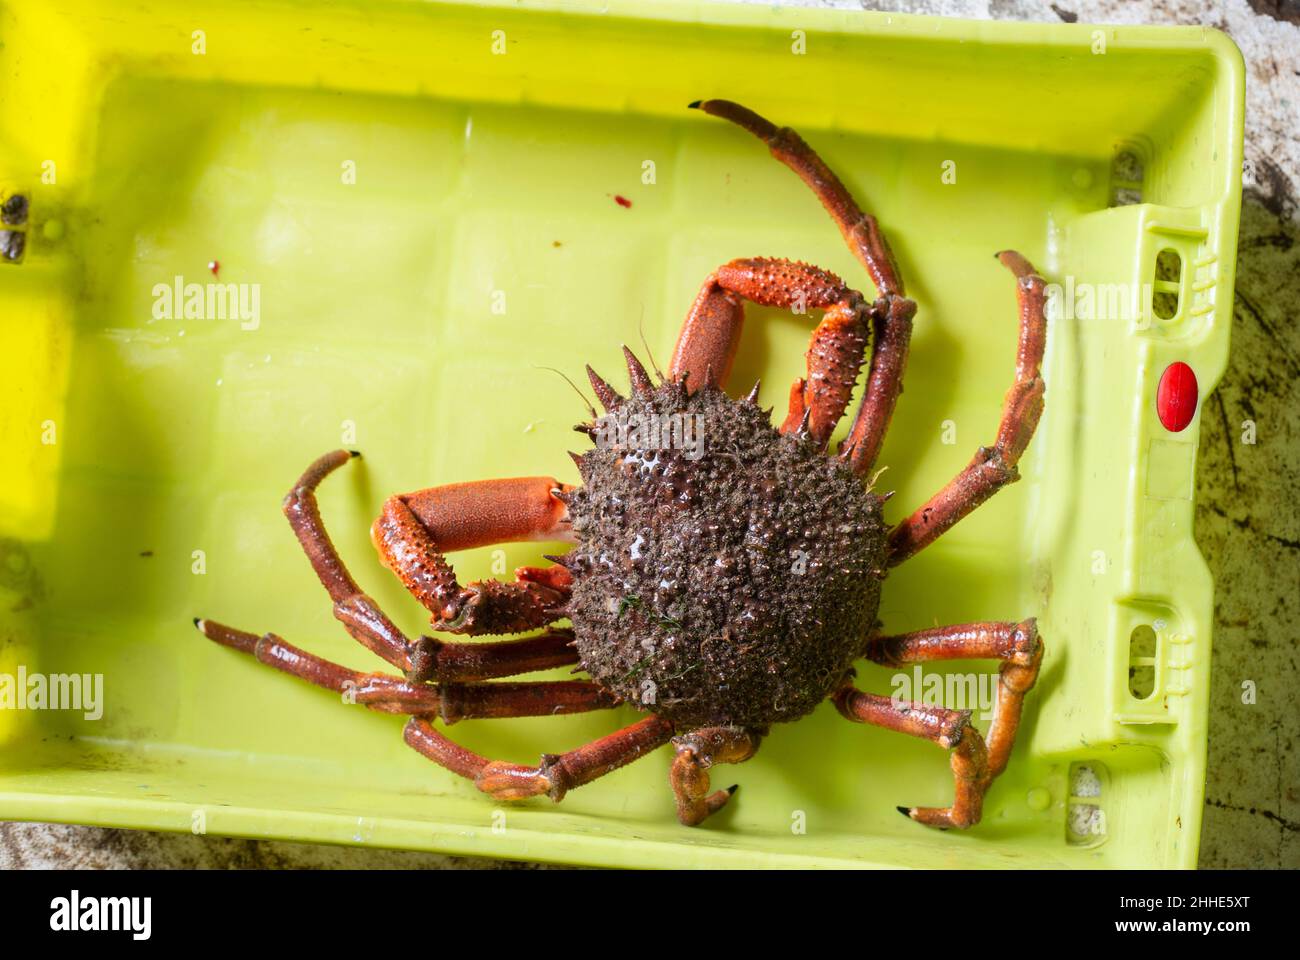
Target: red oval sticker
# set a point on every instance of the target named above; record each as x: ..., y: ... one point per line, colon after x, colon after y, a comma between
x: 1176, y: 397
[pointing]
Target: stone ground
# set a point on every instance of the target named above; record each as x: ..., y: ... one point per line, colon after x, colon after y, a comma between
x: 1247, y: 513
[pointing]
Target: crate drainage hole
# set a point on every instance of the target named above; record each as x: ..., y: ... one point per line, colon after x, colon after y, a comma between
x: 1085, y: 820
x: 13, y: 228
x: 1126, y: 176
x: 1142, y: 662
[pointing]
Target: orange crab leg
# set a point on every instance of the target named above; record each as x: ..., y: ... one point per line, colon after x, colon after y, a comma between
x: 710, y: 337
x: 696, y: 753
x: 555, y: 775
x: 834, y: 358
x: 950, y: 729
x: 992, y: 468
x: 830, y: 362
x: 860, y: 230
x: 459, y: 516
x: 415, y: 530
x: 448, y: 702
x: 530, y: 508
x: 450, y: 662
x: 892, y: 329
x: 976, y: 761
x: 362, y: 617
x: 1017, y: 645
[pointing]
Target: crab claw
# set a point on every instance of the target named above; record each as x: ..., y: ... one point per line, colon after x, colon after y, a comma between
x: 494, y: 607
x: 556, y: 577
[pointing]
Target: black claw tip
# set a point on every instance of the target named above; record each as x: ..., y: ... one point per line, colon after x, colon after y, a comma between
x: 733, y: 788
x: 354, y: 453
x: 905, y: 811
x: 694, y: 105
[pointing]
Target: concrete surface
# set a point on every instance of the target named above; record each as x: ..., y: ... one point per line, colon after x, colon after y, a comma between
x: 1247, y: 515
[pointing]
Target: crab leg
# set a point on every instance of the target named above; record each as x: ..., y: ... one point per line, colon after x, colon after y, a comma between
x: 451, y: 662
x: 860, y: 230
x: 368, y: 624
x: 416, y: 529
x: 555, y: 775
x: 1017, y: 645
x: 892, y: 330
x: 950, y: 729
x: 892, y: 313
x: 696, y: 752
x: 528, y: 509
x: 389, y: 694
x: 710, y: 336
x: 992, y: 468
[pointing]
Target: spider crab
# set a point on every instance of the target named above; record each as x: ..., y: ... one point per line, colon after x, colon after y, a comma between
x: 718, y: 590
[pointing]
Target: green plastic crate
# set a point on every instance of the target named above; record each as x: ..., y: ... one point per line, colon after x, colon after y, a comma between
x: 136, y: 451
